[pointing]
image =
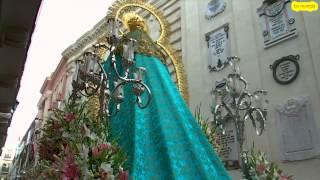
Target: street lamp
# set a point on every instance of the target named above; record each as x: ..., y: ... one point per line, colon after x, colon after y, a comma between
x: 235, y: 104
x: 92, y: 79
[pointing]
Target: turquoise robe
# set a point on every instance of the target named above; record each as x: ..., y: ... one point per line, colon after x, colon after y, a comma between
x: 163, y: 141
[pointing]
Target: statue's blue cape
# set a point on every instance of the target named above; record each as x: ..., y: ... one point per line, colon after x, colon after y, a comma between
x: 163, y: 141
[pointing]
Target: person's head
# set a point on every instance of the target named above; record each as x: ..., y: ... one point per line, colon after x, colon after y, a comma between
x: 133, y: 21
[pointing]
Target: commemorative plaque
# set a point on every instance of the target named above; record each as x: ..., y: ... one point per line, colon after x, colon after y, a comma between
x: 214, y: 8
x: 286, y: 69
x: 219, y: 48
x: 277, y: 22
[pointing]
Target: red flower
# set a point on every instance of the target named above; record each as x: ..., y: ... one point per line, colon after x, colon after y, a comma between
x: 260, y: 168
x: 123, y: 175
x: 69, y: 117
x: 70, y: 170
x: 56, y: 125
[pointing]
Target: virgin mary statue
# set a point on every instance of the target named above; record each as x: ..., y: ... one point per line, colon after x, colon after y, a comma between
x: 162, y: 141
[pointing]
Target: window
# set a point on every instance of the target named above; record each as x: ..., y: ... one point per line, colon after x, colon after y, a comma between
x: 5, y: 168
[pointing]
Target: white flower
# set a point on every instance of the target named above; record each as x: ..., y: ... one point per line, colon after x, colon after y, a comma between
x: 107, y: 168
x: 88, y: 133
x: 65, y: 135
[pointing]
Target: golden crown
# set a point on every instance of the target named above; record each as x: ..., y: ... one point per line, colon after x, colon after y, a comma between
x: 133, y: 21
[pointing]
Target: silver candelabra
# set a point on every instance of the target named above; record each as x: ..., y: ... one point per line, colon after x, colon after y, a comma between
x: 235, y: 104
x: 92, y: 79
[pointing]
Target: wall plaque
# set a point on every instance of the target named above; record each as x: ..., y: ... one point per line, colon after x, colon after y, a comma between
x: 277, y: 21
x: 219, y: 48
x: 286, y: 69
x: 229, y: 151
x: 214, y: 8
x: 296, y: 129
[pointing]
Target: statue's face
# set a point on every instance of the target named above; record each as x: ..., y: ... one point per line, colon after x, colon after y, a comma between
x: 137, y: 25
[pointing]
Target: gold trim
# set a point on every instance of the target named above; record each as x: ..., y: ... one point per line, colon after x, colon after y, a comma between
x: 120, y: 7
x: 94, y: 106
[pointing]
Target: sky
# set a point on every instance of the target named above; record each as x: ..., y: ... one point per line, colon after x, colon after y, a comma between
x: 59, y: 24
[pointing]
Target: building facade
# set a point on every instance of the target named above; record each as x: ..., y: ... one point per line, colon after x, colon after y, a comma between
x: 25, y: 153
x: 260, y: 33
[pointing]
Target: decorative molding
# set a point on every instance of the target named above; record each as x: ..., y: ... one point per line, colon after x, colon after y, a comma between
x: 293, y: 106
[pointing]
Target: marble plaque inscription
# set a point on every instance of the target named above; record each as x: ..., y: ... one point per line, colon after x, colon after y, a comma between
x: 277, y: 22
x: 219, y: 48
x: 296, y: 132
x: 229, y: 145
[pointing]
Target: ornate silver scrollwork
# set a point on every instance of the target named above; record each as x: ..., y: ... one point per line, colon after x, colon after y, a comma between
x: 236, y: 104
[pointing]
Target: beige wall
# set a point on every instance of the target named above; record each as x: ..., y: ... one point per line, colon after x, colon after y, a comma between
x: 247, y: 43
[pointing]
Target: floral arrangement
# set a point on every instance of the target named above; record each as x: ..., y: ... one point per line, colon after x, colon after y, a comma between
x: 257, y: 167
x: 74, y: 146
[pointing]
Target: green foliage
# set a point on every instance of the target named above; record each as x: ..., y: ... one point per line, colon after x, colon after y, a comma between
x: 210, y: 132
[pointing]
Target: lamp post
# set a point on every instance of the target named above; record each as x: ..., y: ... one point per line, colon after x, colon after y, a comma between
x: 93, y: 79
x: 235, y: 104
